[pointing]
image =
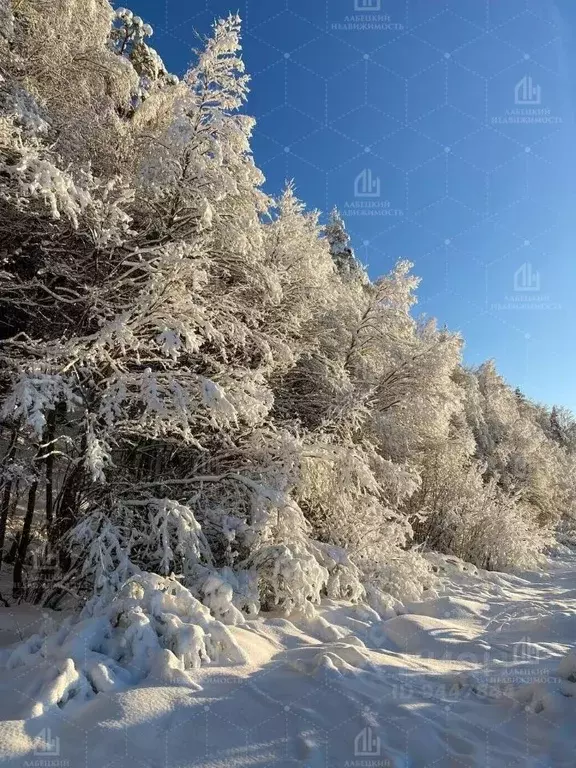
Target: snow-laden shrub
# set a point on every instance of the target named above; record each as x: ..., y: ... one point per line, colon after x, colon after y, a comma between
x: 153, y: 628
x: 502, y: 537
x: 289, y: 579
x: 103, y: 551
x: 566, y: 532
x: 344, y: 576
x: 405, y: 575
x: 352, y: 496
x: 156, y: 535
x: 230, y: 595
x: 284, y: 569
x: 461, y: 512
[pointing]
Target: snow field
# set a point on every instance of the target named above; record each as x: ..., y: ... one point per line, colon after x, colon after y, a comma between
x: 479, y: 675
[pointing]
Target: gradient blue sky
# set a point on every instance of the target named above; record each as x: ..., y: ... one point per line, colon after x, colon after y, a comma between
x: 444, y: 132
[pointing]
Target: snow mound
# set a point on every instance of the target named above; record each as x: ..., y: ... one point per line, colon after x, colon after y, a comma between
x: 154, y: 628
x: 447, y: 607
x: 426, y: 635
x: 345, y: 657
x: 567, y: 668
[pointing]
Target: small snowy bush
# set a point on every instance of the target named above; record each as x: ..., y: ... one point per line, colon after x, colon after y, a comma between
x: 152, y: 628
x: 289, y: 580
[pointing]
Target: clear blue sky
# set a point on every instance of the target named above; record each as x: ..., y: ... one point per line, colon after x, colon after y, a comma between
x: 444, y: 131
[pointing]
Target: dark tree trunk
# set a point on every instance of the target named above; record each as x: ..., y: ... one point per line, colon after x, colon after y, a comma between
x: 50, y: 429
x: 68, y: 512
x: 68, y: 505
x: 7, y: 490
x: 10, y: 557
x: 25, y: 537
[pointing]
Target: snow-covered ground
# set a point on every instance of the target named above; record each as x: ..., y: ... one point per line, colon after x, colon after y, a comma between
x: 469, y: 677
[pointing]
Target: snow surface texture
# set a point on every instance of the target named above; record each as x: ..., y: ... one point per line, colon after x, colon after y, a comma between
x: 481, y: 675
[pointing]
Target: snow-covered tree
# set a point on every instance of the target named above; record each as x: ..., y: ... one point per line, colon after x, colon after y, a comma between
x: 340, y: 248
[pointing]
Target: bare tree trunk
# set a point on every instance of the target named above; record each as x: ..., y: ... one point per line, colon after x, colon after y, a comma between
x: 67, y: 511
x: 5, y: 503
x: 158, y: 462
x: 25, y: 537
x: 50, y: 429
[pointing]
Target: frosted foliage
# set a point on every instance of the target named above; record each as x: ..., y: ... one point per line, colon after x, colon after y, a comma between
x: 38, y: 176
x: 472, y: 517
x: 105, y: 555
x: 405, y: 577
x: 97, y: 456
x: 33, y: 173
x: 161, y: 535
x: 208, y: 408
x: 344, y: 576
x: 216, y: 401
x: 23, y: 108
x: 33, y: 394
x: 352, y: 494
x: 177, y: 534
x: 290, y: 580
